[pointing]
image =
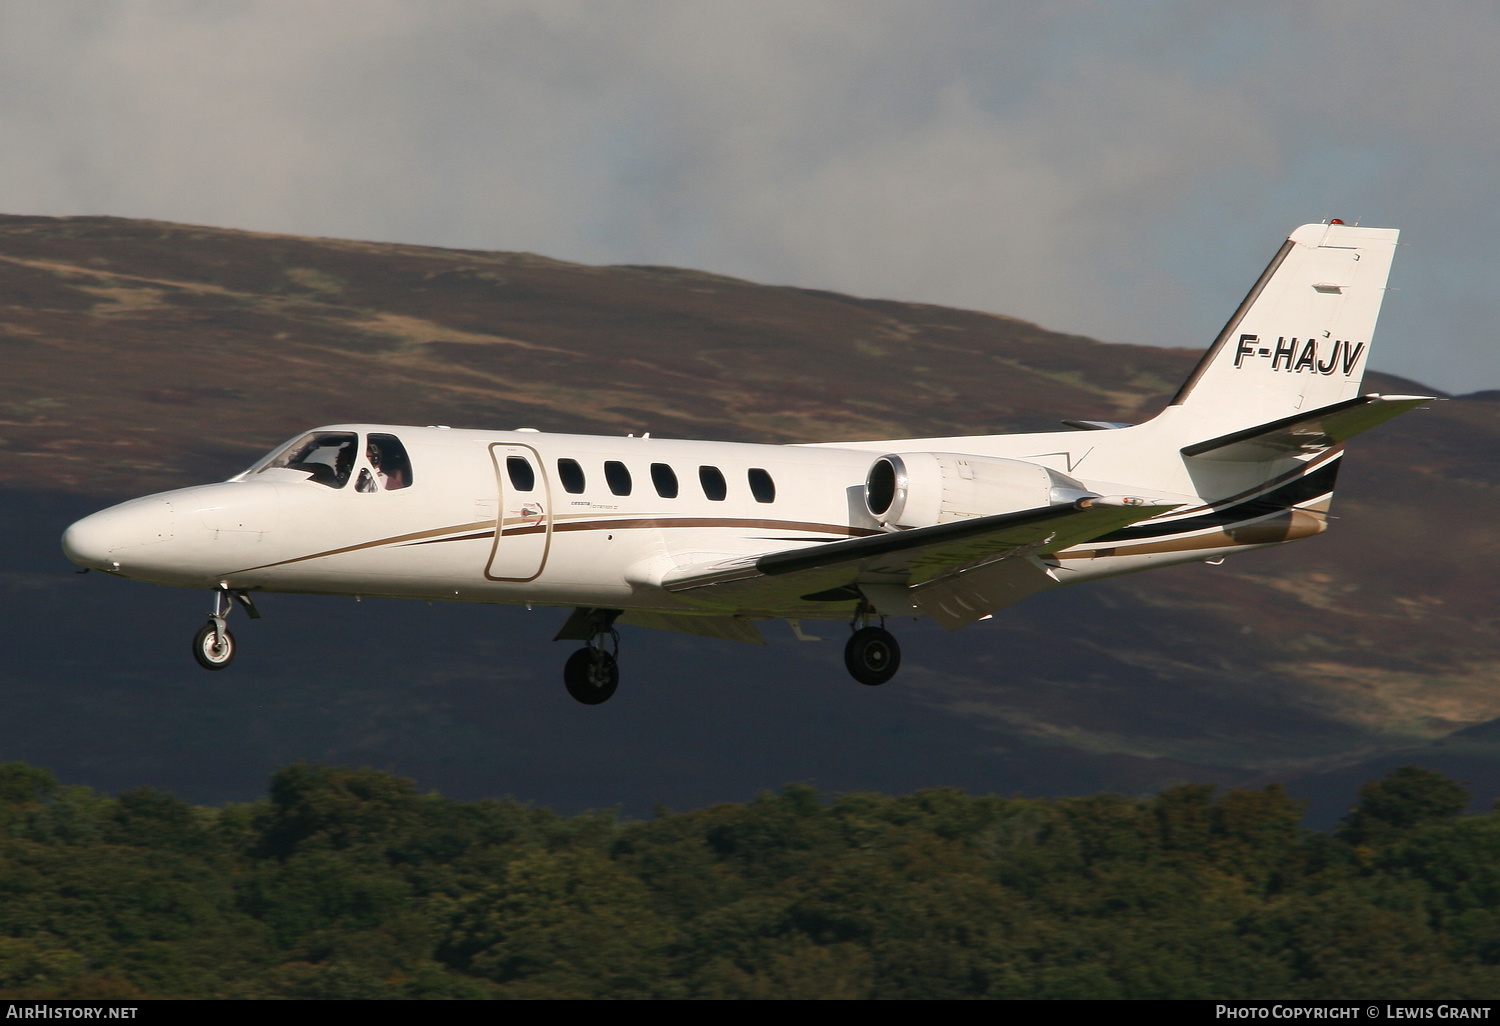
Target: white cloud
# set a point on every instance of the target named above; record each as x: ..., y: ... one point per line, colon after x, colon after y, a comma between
x: 1119, y: 170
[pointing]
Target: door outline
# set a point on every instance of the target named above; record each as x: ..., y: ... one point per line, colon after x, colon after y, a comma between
x: 496, y: 459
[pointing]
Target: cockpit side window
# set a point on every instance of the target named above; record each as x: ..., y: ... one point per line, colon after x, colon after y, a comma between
x: 388, y: 458
x: 326, y: 457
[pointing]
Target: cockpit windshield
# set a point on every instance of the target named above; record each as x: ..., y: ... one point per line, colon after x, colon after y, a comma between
x: 327, y: 457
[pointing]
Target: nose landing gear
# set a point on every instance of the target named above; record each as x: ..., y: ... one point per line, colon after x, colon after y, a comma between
x: 872, y: 655
x: 213, y: 645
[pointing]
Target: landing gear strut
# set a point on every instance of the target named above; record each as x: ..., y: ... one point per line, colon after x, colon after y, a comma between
x: 592, y: 673
x: 872, y: 654
x: 213, y: 645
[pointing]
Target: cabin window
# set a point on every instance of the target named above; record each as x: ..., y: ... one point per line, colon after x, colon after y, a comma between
x: 571, y: 476
x: 712, y: 480
x: 665, y: 480
x: 326, y: 457
x: 617, y: 475
x: 522, y: 477
x: 761, y: 485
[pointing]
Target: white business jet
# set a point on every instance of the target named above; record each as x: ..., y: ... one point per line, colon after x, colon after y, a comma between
x: 711, y: 538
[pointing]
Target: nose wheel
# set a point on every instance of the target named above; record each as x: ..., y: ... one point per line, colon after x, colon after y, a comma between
x: 213, y: 645
x: 871, y: 655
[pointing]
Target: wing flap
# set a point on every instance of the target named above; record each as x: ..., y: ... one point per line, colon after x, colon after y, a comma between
x: 967, y: 595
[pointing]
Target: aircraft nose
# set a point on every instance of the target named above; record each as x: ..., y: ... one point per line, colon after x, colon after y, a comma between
x: 96, y: 540
x: 87, y: 542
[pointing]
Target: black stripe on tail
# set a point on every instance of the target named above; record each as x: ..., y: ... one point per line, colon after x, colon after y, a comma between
x: 1293, y: 493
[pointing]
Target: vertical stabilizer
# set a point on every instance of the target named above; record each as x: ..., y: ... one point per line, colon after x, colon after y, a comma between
x: 1301, y: 338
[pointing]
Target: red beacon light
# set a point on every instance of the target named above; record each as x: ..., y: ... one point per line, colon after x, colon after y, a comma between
x: 1336, y: 220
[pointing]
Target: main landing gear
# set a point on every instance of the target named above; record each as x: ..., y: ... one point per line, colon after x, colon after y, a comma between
x: 213, y: 645
x: 592, y: 673
x: 871, y: 654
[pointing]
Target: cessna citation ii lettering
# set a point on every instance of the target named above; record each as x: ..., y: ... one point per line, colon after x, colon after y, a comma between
x: 710, y: 538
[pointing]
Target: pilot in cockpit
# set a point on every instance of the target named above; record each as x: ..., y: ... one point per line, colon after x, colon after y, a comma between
x: 328, y: 458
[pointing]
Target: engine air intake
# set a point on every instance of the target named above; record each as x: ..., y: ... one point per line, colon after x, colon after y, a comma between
x: 880, y: 486
x: 922, y: 489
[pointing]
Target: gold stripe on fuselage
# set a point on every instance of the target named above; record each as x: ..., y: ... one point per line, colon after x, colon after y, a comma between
x: 569, y: 522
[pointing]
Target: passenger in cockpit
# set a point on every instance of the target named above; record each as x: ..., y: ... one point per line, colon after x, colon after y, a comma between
x: 388, y: 459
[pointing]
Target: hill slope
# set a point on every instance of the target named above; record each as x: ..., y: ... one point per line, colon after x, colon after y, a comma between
x: 142, y: 356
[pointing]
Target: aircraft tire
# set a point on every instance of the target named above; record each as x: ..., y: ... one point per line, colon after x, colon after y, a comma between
x: 209, y: 655
x: 591, y: 676
x: 872, y: 656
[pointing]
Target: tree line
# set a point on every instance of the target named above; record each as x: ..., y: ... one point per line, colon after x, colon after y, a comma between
x: 350, y: 883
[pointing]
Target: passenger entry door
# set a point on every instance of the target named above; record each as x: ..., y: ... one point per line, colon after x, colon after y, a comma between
x: 523, y: 522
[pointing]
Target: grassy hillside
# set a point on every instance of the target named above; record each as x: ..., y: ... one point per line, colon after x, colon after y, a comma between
x: 140, y: 356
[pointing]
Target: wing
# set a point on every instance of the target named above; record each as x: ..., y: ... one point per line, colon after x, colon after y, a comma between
x: 955, y: 572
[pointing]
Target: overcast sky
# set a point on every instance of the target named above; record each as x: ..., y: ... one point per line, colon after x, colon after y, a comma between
x: 1121, y: 170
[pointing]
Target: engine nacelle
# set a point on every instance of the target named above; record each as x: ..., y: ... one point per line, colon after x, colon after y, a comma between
x: 922, y: 489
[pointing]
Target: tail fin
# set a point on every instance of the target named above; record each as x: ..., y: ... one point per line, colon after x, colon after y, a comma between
x: 1301, y: 338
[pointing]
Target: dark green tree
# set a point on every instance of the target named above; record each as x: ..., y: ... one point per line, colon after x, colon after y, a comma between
x: 1404, y: 798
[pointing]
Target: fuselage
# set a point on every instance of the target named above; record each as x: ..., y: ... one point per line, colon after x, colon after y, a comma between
x: 531, y: 517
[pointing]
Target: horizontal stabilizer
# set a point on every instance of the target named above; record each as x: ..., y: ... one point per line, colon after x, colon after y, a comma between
x: 1305, y: 433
